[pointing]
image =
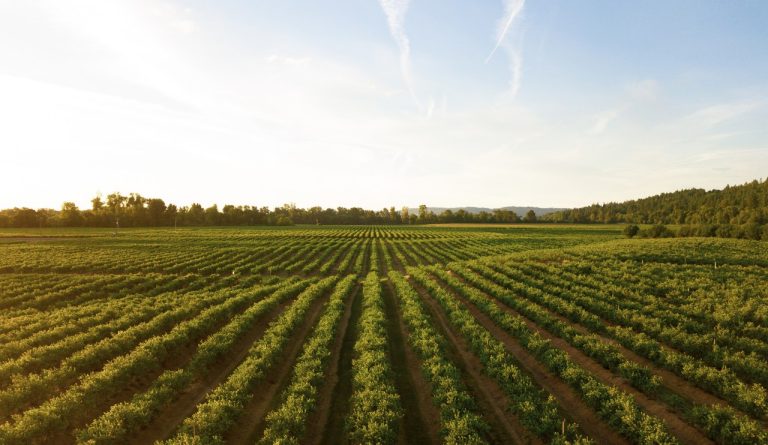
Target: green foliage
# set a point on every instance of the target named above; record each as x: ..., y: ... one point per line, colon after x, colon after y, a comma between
x: 122, y: 419
x: 737, y: 205
x: 100, y: 334
x: 536, y: 410
x: 286, y: 423
x: 374, y: 404
x: 222, y: 406
x: 631, y: 230
x: 460, y: 421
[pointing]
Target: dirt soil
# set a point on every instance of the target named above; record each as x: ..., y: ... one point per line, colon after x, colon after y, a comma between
x: 493, y: 402
x: 267, y: 393
x: 319, y: 419
x: 168, y: 419
x: 687, y: 434
x: 422, y: 426
x: 568, y: 399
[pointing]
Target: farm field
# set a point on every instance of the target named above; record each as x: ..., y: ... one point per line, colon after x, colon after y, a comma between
x: 381, y: 334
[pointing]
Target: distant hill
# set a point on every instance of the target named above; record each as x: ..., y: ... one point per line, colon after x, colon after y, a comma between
x: 519, y: 210
x: 741, y: 204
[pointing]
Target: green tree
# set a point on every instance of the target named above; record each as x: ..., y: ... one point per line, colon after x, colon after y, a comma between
x: 631, y: 230
x: 196, y: 215
x: 423, y: 213
x: 530, y: 217
x: 97, y: 204
x: 212, y: 216
x: 156, y: 210
x: 70, y: 214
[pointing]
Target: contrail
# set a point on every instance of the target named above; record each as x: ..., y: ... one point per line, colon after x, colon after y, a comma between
x: 512, y: 9
x: 395, y: 11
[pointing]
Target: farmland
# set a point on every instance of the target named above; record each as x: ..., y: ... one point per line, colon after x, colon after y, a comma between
x: 374, y: 334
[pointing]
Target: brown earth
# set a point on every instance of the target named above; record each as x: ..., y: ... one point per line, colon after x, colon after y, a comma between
x: 492, y: 400
x: 567, y: 398
x: 687, y: 434
x: 421, y: 424
x: 334, y: 383
x: 339, y: 394
x: 250, y: 425
x: 168, y: 419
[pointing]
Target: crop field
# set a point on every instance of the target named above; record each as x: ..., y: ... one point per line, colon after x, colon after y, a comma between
x: 380, y: 334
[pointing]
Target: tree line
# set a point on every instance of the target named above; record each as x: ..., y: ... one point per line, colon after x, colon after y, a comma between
x: 735, y: 212
x: 734, y: 205
x: 134, y: 210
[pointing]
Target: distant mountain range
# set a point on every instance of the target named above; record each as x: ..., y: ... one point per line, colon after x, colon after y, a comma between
x: 519, y: 210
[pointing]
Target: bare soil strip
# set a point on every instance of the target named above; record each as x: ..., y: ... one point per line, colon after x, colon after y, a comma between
x: 320, y: 419
x: 338, y: 260
x: 492, y: 401
x: 177, y: 359
x: 168, y: 419
x: 422, y: 424
x: 687, y: 434
x: 568, y: 399
x: 267, y: 393
x: 395, y: 260
x: 333, y: 427
x: 671, y: 380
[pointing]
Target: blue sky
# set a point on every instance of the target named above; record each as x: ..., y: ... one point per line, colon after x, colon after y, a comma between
x: 378, y: 103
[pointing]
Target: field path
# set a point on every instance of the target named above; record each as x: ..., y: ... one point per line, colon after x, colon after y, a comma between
x: 319, y: 420
x: 337, y: 396
x: 493, y: 402
x: 687, y: 433
x: 167, y: 420
x: 250, y: 425
x: 423, y: 425
x: 567, y: 398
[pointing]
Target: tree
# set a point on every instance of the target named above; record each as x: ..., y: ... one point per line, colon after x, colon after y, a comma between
x: 115, y: 202
x: 172, y: 214
x: 97, y: 204
x: 423, y: 213
x: 70, y: 214
x: 212, y: 216
x: 631, y: 230
x: 530, y: 217
x: 196, y: 215
x: 156, y: 210
x: 394, y: 216
x: 404, y: 215
x: 24, y: 217
x: 284, y: 221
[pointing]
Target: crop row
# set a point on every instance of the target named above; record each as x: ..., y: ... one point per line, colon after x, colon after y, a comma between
x: 286, y: 424
x: 591, y: 312
x: 613, y: 405
x: 122, y: 419
x: 374, y: 404
x: 735, y: 429
x: 39, y: 424
x: 221, y: 408
x: 537, y: 410
x: 460, y: 421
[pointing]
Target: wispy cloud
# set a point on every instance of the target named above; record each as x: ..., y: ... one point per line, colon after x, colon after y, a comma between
x: 644, y: 90
x: 395, y: 11
x: 603, y: 119
x: 512, y: 10
x: 717, y: 114
x: 637, y: 93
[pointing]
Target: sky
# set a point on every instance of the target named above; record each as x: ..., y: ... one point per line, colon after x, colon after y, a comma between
x: 378, y: 103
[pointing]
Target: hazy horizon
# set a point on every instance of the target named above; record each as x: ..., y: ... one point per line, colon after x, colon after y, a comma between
x: 380, y: 103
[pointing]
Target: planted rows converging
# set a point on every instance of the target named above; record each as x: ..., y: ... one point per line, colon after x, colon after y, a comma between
x: 386, y: 335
